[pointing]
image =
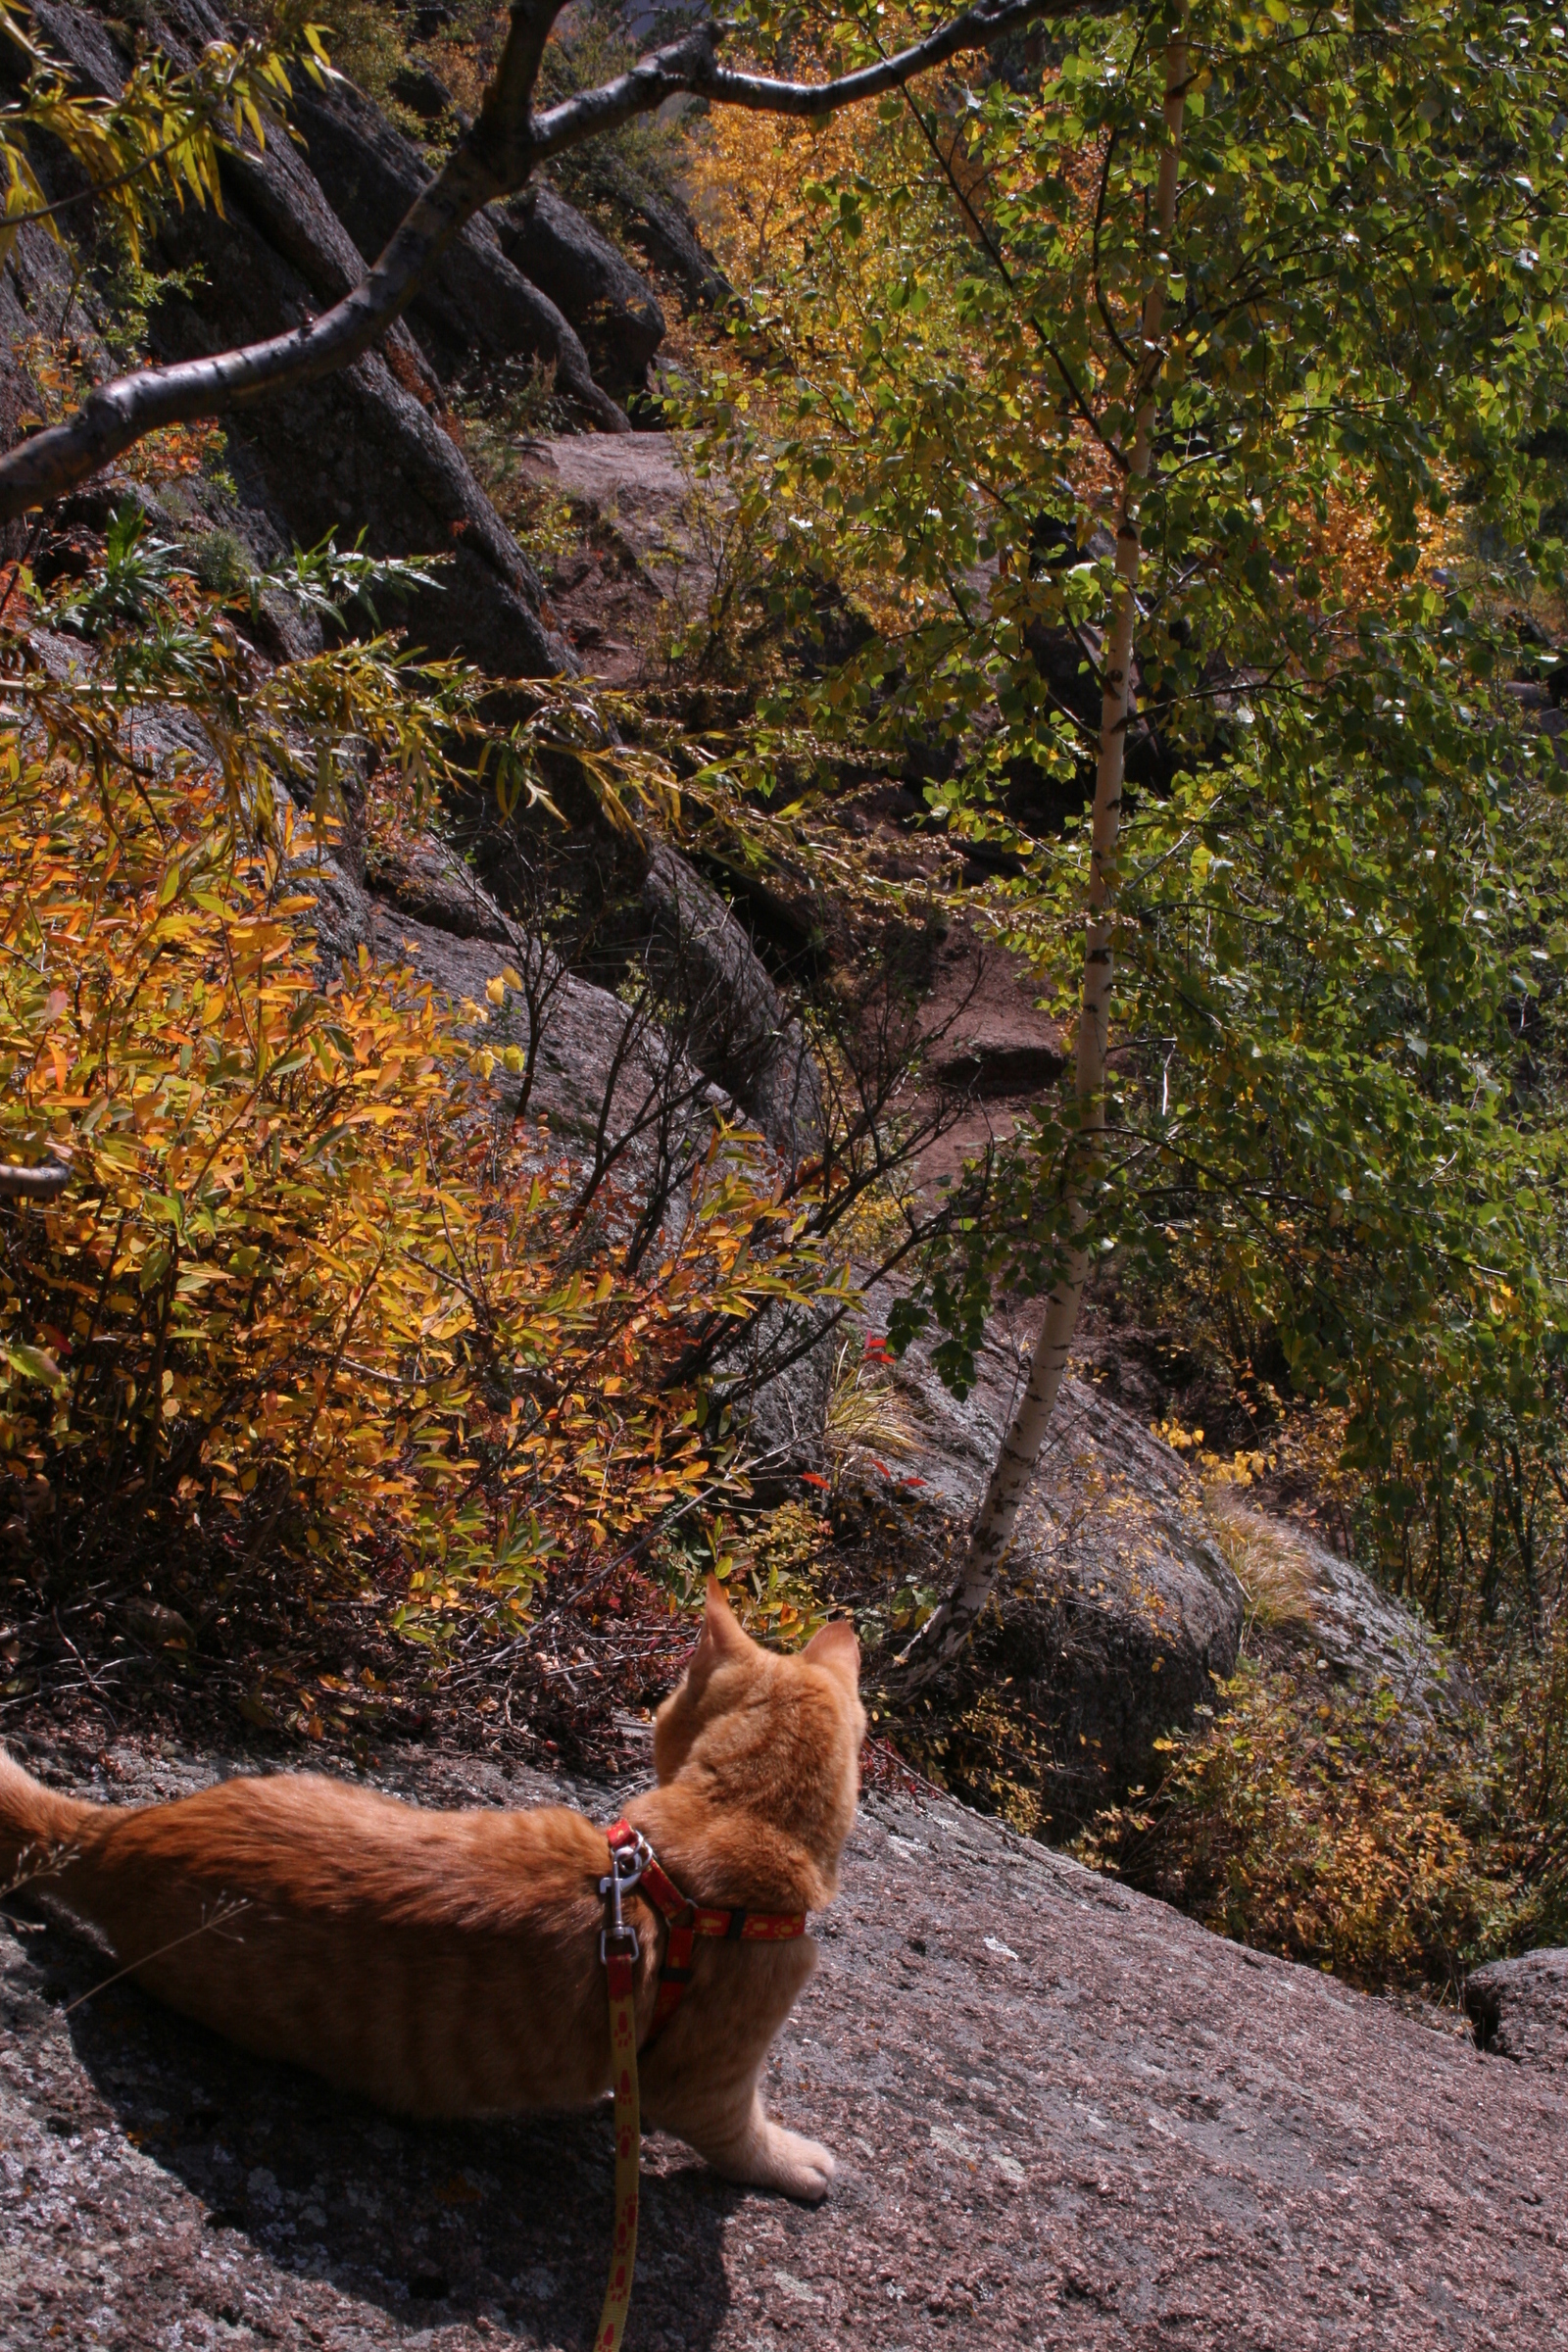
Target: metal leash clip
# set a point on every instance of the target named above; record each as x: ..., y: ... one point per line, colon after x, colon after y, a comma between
x: 627, y: 1864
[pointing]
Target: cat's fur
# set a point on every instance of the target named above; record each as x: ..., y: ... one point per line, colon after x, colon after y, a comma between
x: 448, y: 1963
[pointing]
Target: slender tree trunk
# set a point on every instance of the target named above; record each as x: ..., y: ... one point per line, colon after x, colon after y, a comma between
x: 947, y: 1631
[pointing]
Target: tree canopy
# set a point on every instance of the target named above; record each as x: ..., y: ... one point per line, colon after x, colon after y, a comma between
x: 1334, y: 1089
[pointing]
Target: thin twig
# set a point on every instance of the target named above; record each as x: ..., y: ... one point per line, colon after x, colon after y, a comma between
x: 219, y: 1919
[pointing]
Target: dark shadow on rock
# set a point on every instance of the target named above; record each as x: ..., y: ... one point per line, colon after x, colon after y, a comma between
x: 364, y: 446
x: 509, y: 2217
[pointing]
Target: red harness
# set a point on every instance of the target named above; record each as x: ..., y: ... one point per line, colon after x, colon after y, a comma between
x: 688, y: 1920
x: 634, y: 1863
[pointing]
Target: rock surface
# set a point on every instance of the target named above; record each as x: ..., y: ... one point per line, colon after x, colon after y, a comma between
x: 1319, y: 1602
x: 614, y: 310
x: 479, y: 306
x: 363, y: 448
x: 747, y: 1064
x: 741, y: 1034
x: 1117, y: 1610
x: 582, y: 1032
x: 1066, y: 2119
x: 1520, y: 2009
x: 988, y: 1039
x: 738, y: 1031
x: 663, y: 231
x: 642, y: 488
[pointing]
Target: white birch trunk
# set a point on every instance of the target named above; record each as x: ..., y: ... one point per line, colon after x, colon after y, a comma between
x: 992, y: 1532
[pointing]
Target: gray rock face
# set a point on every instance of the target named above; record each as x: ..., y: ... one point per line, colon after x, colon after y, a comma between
x: 343, y: 918
x: 614, y: 310
x: 741, y: 1034
x: 433, y: 914
x: 1117, y: 1610
x: 663, y: 231
x: 431, y: 883
x: 479, y: 305
x: 642, y: 490
x: 1065, y: 2118
x: 34, y: 287
x: 362, y: 448
x: 1520, y: 2009
x: 1370, y: 1640
x: 583, y: 1030
x: 1322, y: 1603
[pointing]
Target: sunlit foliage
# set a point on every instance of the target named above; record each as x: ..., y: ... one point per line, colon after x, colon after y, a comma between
x: 1339, y: 886
x: 303, y: 1290
x: 159, y: 139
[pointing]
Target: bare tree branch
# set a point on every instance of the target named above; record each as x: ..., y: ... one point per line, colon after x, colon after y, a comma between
x: 119, y: 414
x: 494, y: 159
x: 42, y: 1183
x: 690, y: 64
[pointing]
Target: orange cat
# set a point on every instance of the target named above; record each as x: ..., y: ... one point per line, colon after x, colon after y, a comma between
x: 448, y: 1963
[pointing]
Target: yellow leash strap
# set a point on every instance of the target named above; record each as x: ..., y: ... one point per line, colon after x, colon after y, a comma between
x: 629, y: 2151
x: 618, y: 1948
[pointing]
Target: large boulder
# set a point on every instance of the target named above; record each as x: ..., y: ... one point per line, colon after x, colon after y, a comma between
x: 614, y: 310
x: 478, y: 305
x: 34, y: 289
x: 641, y: 496
x: 1519, y: 2009
x: 1307, y: 1598
x: 1064, y: 2117
x: 739, y: 1030
x: 361, y: 449
x: 1116, y: 1611
x: 735, y: 1026
x: 662, y: 230
x: 603, y: 1068
x: 582, y: 1054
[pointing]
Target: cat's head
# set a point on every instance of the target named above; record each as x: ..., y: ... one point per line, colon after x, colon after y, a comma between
x: 769, y: 1732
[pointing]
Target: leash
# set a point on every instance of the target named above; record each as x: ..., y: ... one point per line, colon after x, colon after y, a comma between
x: 633, y: 1863
x: 619, y: 1971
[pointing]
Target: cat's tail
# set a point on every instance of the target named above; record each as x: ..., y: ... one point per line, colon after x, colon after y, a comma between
x: 40, y: 1832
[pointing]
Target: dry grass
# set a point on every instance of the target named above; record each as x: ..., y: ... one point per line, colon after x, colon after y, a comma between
x: 868, y: 1424
x: 1269, y: 1562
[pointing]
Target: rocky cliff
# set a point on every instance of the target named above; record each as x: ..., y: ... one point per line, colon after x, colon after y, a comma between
x: 1065, y: 2118
x: 375, y: 446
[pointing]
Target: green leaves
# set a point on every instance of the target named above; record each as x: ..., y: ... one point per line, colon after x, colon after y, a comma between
x: 1339, y: 1110
x: 329, y: 581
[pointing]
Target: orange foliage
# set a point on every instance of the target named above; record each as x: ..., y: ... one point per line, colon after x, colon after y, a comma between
x: 58, y: 374
x: 299, y: 1288
x: 747, y: 177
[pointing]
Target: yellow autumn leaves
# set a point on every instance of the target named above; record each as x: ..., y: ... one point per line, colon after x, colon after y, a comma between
x: 303, y: 1289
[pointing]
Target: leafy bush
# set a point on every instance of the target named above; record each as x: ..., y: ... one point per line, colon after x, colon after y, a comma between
x: 1341, y: 1830
x: 1326, y: 1826
x: 300, y: 1289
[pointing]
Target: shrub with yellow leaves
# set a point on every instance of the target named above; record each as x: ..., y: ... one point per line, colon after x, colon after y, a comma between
x: 1335, y: 1829
x: 301, y: 1291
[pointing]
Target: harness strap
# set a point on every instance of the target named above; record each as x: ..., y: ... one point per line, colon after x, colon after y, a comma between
x: 687, y: 1921
x: 634, y: 1864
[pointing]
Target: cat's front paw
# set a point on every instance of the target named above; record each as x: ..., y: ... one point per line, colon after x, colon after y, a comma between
x: 801, y: 2168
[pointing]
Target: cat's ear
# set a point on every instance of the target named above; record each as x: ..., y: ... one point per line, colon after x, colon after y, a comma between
x: 837, y: 1649
x: 722, y: 1637
x: 720, y: 1624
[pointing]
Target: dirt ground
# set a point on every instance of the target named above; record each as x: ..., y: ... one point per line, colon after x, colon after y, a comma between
x: 1065, y: 2118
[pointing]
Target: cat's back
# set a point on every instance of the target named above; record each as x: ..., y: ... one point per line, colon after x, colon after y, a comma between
x: 439, y: 1962
x: 311, y: 1844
